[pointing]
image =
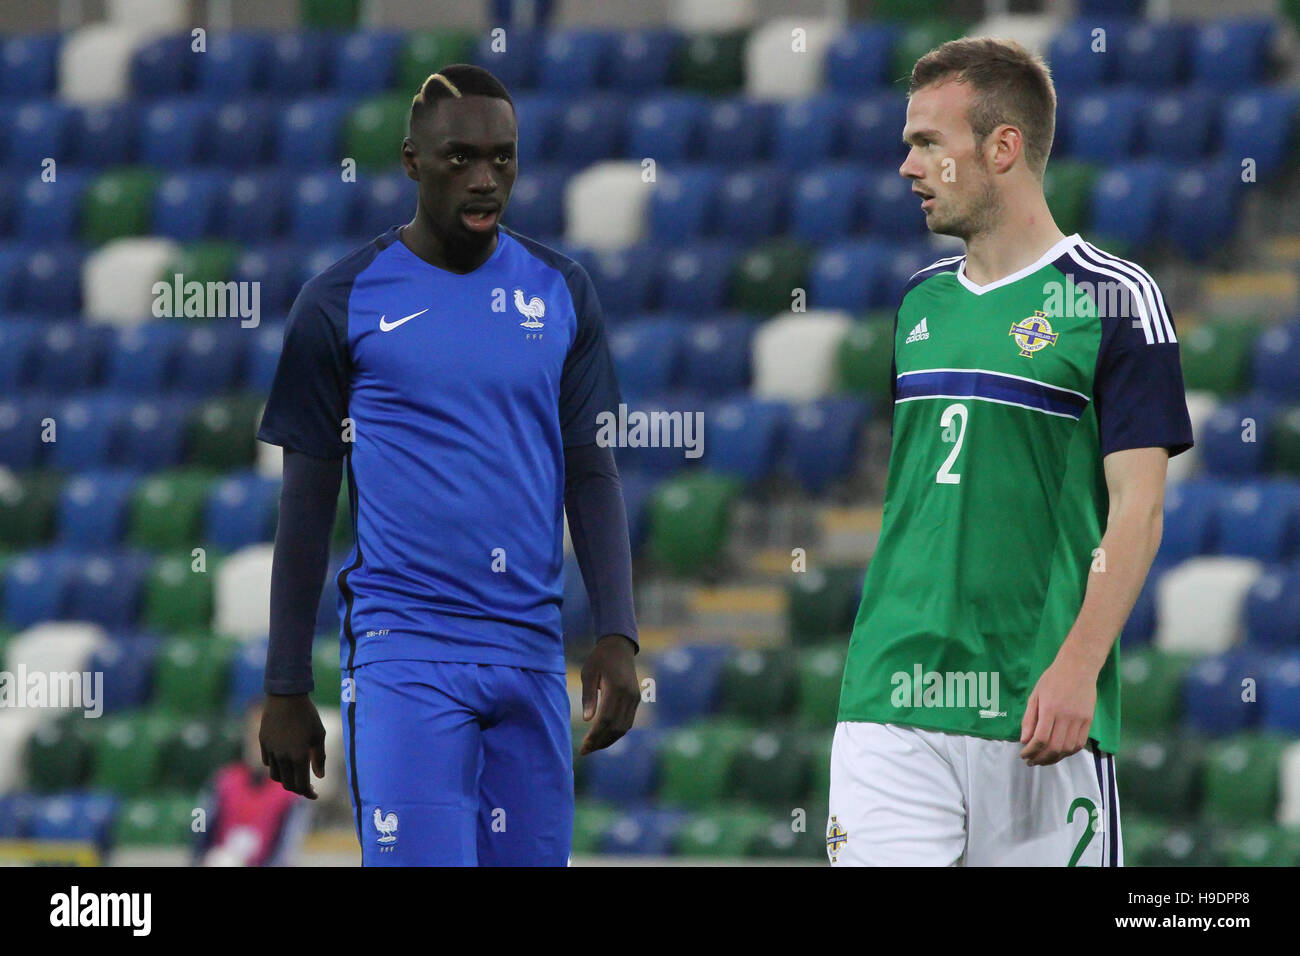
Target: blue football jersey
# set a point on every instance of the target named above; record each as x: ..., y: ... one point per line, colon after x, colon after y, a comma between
x: 452, y: 398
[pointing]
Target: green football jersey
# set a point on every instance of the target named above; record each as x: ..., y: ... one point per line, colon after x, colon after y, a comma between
x: 1006, y: 399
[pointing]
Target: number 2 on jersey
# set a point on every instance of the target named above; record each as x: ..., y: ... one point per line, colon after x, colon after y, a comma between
x: 957, y: 411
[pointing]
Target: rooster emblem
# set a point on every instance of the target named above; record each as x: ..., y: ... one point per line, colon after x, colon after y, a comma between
x: 532, y: 310
x: 386, y: 825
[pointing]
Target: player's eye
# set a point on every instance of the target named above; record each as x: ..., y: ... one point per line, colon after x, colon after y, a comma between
x: 456, y: 159
x: 504, y: 158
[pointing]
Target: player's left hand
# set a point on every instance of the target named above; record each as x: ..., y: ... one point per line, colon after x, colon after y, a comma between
x: 1059, y: 713
x: 610, y: 673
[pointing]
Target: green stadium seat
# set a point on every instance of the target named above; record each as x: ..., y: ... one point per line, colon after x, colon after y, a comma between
x: 1151, y: 689
x: 1240, y: 779
x: 919, y: 39
x: 712, y: 63
x: 864, y: 356
x: 1139, y: 834
x: 821, y: 671
x: 1161, y: 776
x: 764, y: 278
x: 375, y: 129
x: 329, y: 14
x: 1216, y: 356
x: 177, y: 598
x: 758, y: 686
x: 119, y: 203
x: 780, y: 841
x: 818, y: 747
x: 908, y: 9
x: 153, y: 821
x: 208, y: 261
x: 772, y: 770
x: 167, y: 510
x: 222, y: 433
x: 428, y: 52
x: 1180, y: 846
x: 722, y: 834
x: 128, y: 753
x: 695, y: 763
x: 28, y: 504
x: 191, y: 674
x: 823, y: 602
x: 1286, y: 441
x: 690, y: 517
x: 193, y: 754
x: 591, y: 821
x: 1068, y: 187
x: 58, y: 756
x: 327, y: 672
x: 1263, y: 846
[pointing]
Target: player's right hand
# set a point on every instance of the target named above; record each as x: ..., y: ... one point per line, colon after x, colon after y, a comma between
x: 292, y: 737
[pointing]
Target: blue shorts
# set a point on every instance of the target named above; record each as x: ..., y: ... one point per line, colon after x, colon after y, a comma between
x: 458, y: 764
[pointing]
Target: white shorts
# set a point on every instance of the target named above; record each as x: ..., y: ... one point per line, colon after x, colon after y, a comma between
x: 901, y: 796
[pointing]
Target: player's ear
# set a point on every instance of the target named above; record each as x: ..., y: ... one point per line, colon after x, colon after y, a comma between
x: 1007, y: 145
x: 410, y: 162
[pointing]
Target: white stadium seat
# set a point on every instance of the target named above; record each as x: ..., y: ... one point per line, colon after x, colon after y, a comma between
x: 1200, y: 406
x: 117, y: 280
x: 1288, y: 810
x: 604, y: 205
x: 164, y: 14
x: 243, y: 593
x: 1199, y: 604
x: 16, y: 729
x: 775, y: 69
x: 691, y: 16
x: 794, y: 354
x: 95, y: 62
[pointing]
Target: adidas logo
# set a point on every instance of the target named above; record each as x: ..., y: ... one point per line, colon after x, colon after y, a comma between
x: 918, y: 334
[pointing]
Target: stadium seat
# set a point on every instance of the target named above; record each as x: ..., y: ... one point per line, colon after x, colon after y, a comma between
x: 235, y: 64
x: 1152, y: 689
x: 119, y: 278
x: 1281, y: 710
x: 1273, y: 609
x: 758, y: 686
x: 27, y: 504
x: 1190, y: 515
x: 242, y: 593
x: 1288, y: 811
x: 575, y: 60
x: 58, y: 757
x: 1264, y: 845
x: 93, y: 508
x: 735, y: 131
x: 604, y: 206
x: 1275, y: 359
x: 1240, y: 780
x: 695, y: 764
x: 807, y: 132
x: 251, y: 209
x: 1179, y: 126
x: 1231, y: 54
x: 1201, y: 207
x: 79, y: 818
x: 155, y: 822
x: 624, y: 278
x: 1261, y: 520
x: 191, y: 675
x: 683, y: 206
x: 106, y: 589
x: 890, y: 208
x: 152, y: 434
x: 686, y: 682
x: 850, y: 275
x: 794, y: 355
x: 128, y: 753
x: 19, y: 342
x: 772, y: 770
x: 1162, y: 776
x: 536, y: 207
x: 690, y: 517
x: 1260, y: 124
x: 222, y: 433
x: 163, y: 67
x: 858, y: 58
x: 374, y: 130
x: 723, y: 834
x: 924, y: 31
x: 625, y: 771
x: 1235, y: 438
x: 299, y: 61
x: 308, y: 131
x: 642, y: 60
x: 197, y: 750
x: 589, y: 130
x: 647, y: 355
x: 29, y: 64
x: 1216, y: 356
x: 825, y: 204
x: 177, y: 133
x: 765, y: 277
x: 785, y: 57
x: 51, y: 210
x: 1214, y: 700
x: 366, y: 62
x: 711, y: 63
x: 178, y: 598
x: 321, y: 207
x: 1181, y: 845
x: 743, y: 438
x: 822, y: 603
x: 1075, y: 60
x: 873, y: 127
x: 70, y: 358
x: 55, y: 646
x: 242, y: 135
x: 820, y: 671
x: 1286, y: 441
x: 94, y: 62
x: 715, y: 355
x: 127, y: 666
x: 822, y: 441
x: 118, y: 203
x: 1199, y: 604
x: 185, y: 205
x: 167, y: 510
x: 865, y: 355
x: 1126, y: 202
x: 1153, y: 55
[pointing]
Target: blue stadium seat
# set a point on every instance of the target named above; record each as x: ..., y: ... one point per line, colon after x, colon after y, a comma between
x: 51, y: 210
x: 1260, y: 124
x: 20, y: 432
x: 822, y: 440
x: 1201, y: 206
x: 515, y: 65
x: 695, y: 278
x: 164, y: 66
x: 41, y: 283
x: 858, y: 59
x: 1125, y: 202
x: 299, y: 61
x: 825, y: 202
x: 210, y: 358
x: 667, y: 127
x: 276, y: 267
x: 94, y: 508
x: 19, y: 340
x: 1261, y: 520
x: 808, y: 131
x: 36, y: 130
x: 735, y: 131
x: 104, y: 134
x: 37, y: 587
x: 1153, y: 55
x: 849, y: 275
x: 647, y: 356
x: 744, y: 436
x: 107, y: 588
x: 247, y: 670
x: 1103, y: 127
x: 29, y: 64
x: 87, y: 433
x: 1179, y: 126
x: 153, y: 433
x: 715, y: 356
x: 643, y: 832
x: 1281, y: 702
x: 251, y: 208
x: 589, y: 130
x: 1272, y: 609
x: 366, y: 62
x: 637, y: 489
x: 16, y: 812
x: 241, y: 511
x: 1140, y: 627
x: 81, y: 817
x: 186, y: 204
x: 126, y: 662
x: 387, y: 199
x: 320, y: 207
x: 873, y: 129
x: 539, y: 121
x: 174, y: 133
x: 1074, y: 63
x: 264, y: 356
x: 1212, y: 702
x: 1191, y: 508
x: 681, y: 408
x: 683, y: 203
x: 234, y: 64
x: 624, y: 279
x: 625, y: 771
x: 315, y: 258
x: 1231, y: 54
x: 536, y: 206
x: 307, y: 132
x: 752, y: 204
x: 1221, y: 446
x: 642, y: 60
x: 574, y: 60
x: 242, y: 134
x: 1276, y: 358
x: 71, y: 356
x: 890, y: 208
x: 687, y: 682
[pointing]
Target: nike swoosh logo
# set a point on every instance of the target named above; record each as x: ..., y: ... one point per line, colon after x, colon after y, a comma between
x: 385, y: 326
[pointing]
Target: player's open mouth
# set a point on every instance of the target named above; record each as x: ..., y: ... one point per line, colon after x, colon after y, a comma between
x: 480, y: 218
x: 927, y: 200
